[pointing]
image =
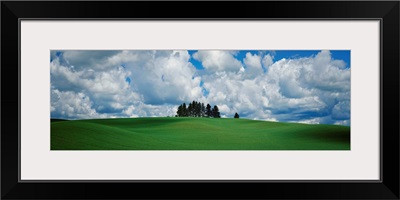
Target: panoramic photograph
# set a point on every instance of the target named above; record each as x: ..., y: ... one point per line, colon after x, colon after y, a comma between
x: 200, y: 99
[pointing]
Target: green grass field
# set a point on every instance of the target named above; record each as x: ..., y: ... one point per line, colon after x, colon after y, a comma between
x: 195, y: 134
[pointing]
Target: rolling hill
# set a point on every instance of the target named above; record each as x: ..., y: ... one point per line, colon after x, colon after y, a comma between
x: 171, y: 133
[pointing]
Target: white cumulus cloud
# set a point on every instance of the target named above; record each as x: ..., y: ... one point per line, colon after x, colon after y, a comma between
x: 214, y: 60
x: 145, y: 83
x: 253, y: 65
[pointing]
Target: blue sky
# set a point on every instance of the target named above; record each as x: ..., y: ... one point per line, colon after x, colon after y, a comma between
x: 306, y: 86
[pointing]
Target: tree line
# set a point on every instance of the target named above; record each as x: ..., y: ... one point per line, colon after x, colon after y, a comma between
x: 197, y: 109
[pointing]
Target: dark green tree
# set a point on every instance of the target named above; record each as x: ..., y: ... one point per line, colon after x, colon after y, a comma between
x: 215, y: 112
x: 184, y: 110
x: 203, y: 110
x: 179, y: 111
x: 208, y: 111
x: 190, y: 110
x: 236, y: 115
x: 194, y: 109
x: 198, y: 109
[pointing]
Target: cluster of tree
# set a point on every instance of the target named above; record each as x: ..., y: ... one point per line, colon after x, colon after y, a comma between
x: 197, y: 109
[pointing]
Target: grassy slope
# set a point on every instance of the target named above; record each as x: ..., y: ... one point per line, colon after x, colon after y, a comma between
x: 195, y: 134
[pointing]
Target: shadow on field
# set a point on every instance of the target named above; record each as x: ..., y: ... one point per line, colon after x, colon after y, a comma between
x: 334, y: 134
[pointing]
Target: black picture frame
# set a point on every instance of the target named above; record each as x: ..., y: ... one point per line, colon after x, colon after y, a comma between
x: 386, y: 11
